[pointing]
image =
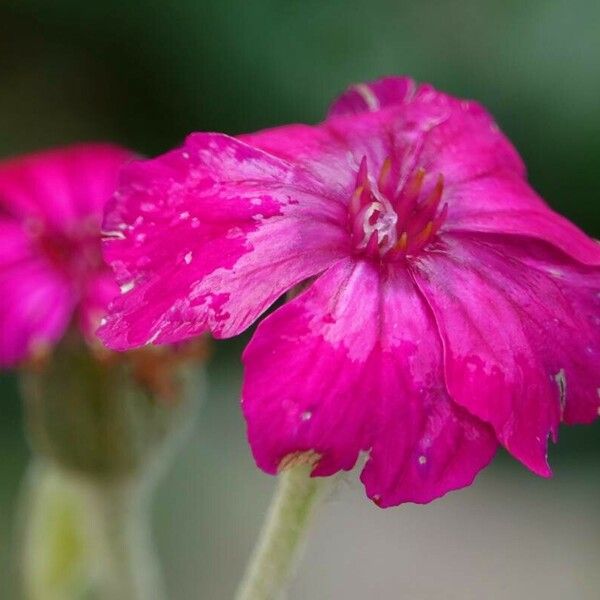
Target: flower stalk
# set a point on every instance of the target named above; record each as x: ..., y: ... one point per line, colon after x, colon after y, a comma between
x: 283, y: 535
x: 85, y: 536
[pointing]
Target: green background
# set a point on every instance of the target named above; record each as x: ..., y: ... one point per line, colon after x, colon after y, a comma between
x: 144, y: 74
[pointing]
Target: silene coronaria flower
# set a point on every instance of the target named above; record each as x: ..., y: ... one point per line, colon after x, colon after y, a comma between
x: 51, y: 267
x: 440, y: 308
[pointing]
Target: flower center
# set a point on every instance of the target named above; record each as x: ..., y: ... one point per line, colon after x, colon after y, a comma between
x: 75, y: 253
x: 394, y: 220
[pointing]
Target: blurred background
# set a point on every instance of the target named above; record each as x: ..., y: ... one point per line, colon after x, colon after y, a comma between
x: 144, y: 73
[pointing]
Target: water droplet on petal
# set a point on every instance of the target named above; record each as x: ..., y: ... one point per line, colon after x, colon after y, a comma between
x: 127, y: 287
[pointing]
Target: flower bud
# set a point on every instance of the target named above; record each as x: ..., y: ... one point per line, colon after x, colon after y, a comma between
x: 105, y: 414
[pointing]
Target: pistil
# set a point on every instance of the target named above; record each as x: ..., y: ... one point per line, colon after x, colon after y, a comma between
x: 394, y: 224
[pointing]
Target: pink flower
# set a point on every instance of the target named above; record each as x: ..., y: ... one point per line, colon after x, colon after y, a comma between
x: 51, y: 267
x: 445, y: 308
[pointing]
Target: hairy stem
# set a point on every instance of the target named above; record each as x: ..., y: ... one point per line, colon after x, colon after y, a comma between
x: 281, y: 540
x: 119, y: 517
x: 87, y: 538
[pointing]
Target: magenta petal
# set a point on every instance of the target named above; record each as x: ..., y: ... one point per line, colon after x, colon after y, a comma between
x: 50, y: 211
x: 60, y: 187
x: 512, y: 338
x: 570, y: 343
x: 506, y: 204
x: 306, y: 376
x: 331, y: 153
x: 35, y: 308
x: 427, y: 447
x: 315, y: 149
x: 35, y: 303
x: 421, y: 128
x: 96, y: 295
x: 457, y: 139
x: 373, y: 96
x: 15, y: 247
x: 432, y: 130
x: 208, y: 236
x: 329, y: 373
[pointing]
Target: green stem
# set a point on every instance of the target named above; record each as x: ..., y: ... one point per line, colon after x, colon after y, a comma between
x: 87, y: 538
x: 118, y: 519
x: 281, y: 540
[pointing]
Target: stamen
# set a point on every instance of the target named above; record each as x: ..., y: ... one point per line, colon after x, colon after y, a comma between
x: 403, y: 243
x: 362, y: 177
x: 406, y: 200
x: 414, y: 185
x: 382, y: 226
x: 418, y: 240
x: 439, y: 220
x: 434, y: 198
x: 355, y: 201
x: 427, y: 209
x: 385, y: 176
